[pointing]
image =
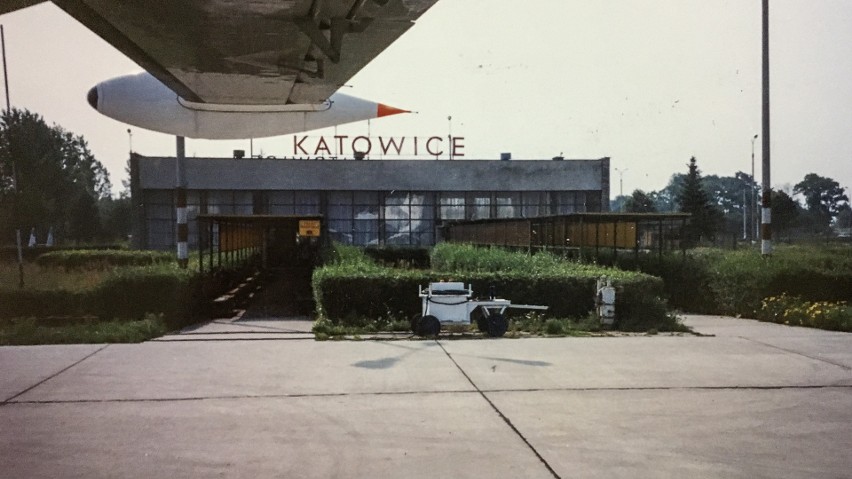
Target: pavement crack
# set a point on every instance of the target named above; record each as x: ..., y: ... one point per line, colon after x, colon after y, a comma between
x: 235, y: 397
x: 10, y: 399
x: 502, y: 416
x: 798, y: 353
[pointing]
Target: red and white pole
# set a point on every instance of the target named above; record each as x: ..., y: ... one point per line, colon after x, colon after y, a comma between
x: 180, y: 204
x: 766, y: 198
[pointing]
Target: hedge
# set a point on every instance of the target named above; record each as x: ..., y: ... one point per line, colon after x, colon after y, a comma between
x: 126, y: 293
x: 351, y: 292
x: 102, y: 259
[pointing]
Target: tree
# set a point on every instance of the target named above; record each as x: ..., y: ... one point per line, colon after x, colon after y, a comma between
x: 666, y: 199
x: 824, y: 198
x: 639, y: 202
x: 694, y: 199
x: 785, y: 211
x: 55, y: 173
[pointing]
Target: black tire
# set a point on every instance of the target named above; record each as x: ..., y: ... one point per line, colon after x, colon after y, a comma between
x: 497, y: 325
x: 415, y: 323
x: 429, y: 326
x: 481, y: 321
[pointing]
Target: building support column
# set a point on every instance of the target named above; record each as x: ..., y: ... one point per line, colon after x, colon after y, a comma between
x: 180, y: 193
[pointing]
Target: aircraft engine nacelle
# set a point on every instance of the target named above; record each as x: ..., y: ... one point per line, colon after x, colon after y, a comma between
x: 142, y: 100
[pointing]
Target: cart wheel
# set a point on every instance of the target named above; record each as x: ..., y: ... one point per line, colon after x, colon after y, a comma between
x: 497, y: 325
x: 429, y: 326
x: 481, y: 321
x: 415, y: 323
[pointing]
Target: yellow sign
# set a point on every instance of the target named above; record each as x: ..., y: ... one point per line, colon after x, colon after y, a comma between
x: 309, y: 228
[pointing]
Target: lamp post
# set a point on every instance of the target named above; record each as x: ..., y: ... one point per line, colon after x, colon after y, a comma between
x: 621, y: 186
x: 753, y: 206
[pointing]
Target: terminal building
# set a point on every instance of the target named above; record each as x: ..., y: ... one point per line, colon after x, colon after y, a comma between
x: 362, y: 202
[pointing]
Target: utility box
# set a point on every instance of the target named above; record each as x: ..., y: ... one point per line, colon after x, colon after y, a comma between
x: 605, y: 301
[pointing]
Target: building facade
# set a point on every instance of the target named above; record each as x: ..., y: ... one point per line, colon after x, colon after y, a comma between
x: 363, y: 202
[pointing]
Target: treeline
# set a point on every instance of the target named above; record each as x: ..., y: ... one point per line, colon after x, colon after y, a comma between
x: 817, y: 206
x: 52, y: 185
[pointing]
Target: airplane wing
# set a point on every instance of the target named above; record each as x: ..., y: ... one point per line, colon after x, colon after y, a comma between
x: 247, y: 52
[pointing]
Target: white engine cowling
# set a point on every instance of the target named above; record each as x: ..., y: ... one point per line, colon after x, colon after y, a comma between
x: 142, y: 100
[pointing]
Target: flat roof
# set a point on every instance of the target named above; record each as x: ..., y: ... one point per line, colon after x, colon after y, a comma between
x: 377, y: 175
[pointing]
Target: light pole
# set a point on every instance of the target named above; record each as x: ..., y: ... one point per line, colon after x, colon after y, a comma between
x: 621, y: 186
x: 753, y: 206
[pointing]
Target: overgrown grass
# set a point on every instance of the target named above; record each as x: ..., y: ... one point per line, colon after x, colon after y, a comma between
x: 27, y: 331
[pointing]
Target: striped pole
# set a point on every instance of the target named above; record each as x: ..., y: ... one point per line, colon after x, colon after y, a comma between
x: 766, y: 198
x: 180, y: 191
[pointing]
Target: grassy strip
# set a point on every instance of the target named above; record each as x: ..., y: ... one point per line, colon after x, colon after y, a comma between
x: 27, y: 331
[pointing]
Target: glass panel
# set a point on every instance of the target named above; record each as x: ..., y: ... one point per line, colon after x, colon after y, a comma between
x: 452, y: 206
x: 567, y: 202
x: 307, y: 203
x: 479, y: 206
x: 397, y: 206
x: 220, y: 202
x: 532, y: 204
x: 508, y: 204
x: 281, y: 203
x: 593, y: 201
x: 243, y: 203
x: 366, y: 232
x: 340, y: 230
x: 398, y: 232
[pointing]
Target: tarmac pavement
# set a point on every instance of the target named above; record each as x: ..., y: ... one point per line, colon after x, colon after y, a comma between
x: 258, y: 398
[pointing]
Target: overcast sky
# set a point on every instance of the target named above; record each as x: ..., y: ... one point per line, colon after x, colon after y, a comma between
x: 649, y: 83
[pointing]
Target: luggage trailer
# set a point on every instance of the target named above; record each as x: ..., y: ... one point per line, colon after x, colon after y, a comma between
x: 451, y: 303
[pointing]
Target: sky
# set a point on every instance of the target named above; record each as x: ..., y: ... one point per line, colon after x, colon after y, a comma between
x: 648, y: 83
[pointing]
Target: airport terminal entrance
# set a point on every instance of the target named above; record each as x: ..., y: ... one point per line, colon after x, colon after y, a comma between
x: 283, y: 249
